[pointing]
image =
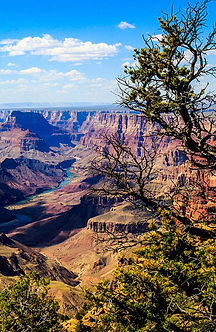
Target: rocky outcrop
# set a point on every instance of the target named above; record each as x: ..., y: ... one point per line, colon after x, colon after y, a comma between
x: 17, y: 259
x: 23, y: 140
x: 72, y: 121
x: 123, y: 218
x: 32, y: 121
x: 4, y: 115
x: 113, y: 228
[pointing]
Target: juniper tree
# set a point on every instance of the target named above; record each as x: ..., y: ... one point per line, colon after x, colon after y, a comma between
x: 170, y: 282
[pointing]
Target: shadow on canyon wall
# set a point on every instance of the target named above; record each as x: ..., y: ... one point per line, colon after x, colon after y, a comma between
x: 55, y: 229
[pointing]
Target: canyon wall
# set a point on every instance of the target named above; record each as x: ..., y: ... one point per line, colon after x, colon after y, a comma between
x: 88, y: 128
x: 22, y: 177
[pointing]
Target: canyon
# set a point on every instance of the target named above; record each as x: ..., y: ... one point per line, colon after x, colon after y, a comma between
x: 42, y: 149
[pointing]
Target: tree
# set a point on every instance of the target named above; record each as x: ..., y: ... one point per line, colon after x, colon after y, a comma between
x: 169, y: 282
x: 168, y: 286
x: 163, y: 87
x: 26, y: 306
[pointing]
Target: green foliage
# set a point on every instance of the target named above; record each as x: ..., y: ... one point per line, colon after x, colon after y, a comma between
x: 26, y: 306
x: 164, y: 80
x: 170, y: 285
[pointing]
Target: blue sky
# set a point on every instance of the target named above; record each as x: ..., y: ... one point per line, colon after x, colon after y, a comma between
x: 72, y: 51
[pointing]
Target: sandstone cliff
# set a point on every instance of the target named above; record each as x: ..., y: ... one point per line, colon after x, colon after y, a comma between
x: 123, y: 218
x: 87, y: 128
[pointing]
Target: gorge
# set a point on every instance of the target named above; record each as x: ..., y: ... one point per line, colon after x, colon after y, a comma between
x: 45, y: 197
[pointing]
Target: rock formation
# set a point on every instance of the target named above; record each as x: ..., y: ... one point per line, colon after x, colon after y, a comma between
x: 35, y: 123
x: 17, y: 259
x: 22, y: 177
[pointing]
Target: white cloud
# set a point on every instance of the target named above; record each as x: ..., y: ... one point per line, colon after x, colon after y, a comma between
x: 157, y: 37
x: 8, y: 41
x: 187, y: 56
x: 68, y: 86
x: 38, y: 84
x: 6, y: 71
x: 51, y: 75
x: 47, y: 77
x: 32, y: 70
x: 74, y: 75
x: 67, y: 50
x: 129, y: 48
x: 11, y: 64
x: 8, y: 82
x: 51, y: 84
x: 124, y: 25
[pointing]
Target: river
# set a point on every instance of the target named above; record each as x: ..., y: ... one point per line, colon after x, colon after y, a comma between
x: 22, y: 219
x: 66, y: 181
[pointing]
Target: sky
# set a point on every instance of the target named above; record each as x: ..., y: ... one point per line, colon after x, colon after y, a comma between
x: 66, y: 51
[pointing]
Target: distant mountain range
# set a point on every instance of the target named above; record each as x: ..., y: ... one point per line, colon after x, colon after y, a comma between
x: 83, y: 105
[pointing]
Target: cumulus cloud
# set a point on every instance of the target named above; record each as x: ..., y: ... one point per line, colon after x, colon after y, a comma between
x: 11, y: 64
x: 50, y: 85
x: 68, y: 86
x: 8, y: 41
x: 32, y: 70
x: 124, y: 25
x: 36, y: 74
x: 9, y: 82
x: 52, y: 75
x: 67, y: 50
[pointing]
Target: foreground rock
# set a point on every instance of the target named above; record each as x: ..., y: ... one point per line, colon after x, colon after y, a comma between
x: 17, y: 259
x: 93, y: 251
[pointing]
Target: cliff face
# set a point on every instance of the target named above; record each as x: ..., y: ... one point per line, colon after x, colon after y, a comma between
x: 4, y: 115
x: 99, y: 226
x: 123, y: 218
x: 23, y: 177
x: 24, y: 140
x: 71, y: 121
x: 36, y: 127
x: 31, y: 121
x: 88, y: 130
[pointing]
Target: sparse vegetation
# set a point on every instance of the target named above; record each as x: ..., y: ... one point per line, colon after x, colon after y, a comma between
x: 169, y: 283
x: 26, y: 306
